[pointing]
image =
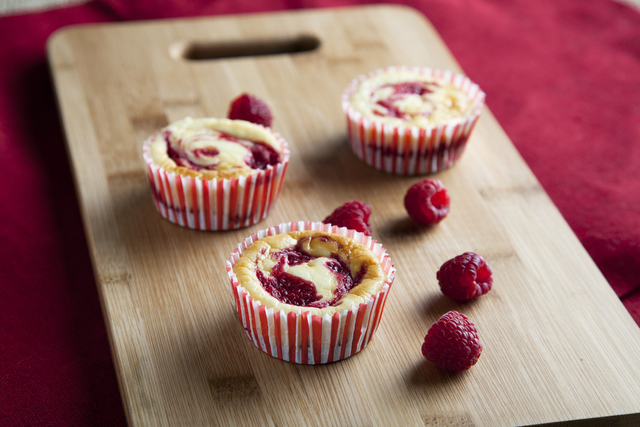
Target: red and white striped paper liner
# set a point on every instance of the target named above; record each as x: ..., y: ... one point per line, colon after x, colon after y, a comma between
x: 216, y: 204
x: 301, y: 337
x: 411, y: 150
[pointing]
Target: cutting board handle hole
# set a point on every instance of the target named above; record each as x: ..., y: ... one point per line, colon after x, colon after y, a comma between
x: 200, y: 51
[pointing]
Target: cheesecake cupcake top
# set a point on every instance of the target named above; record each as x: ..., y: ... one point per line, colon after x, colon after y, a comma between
x: 215, y: 148
x: 408, y: 97
x: 313, y: 271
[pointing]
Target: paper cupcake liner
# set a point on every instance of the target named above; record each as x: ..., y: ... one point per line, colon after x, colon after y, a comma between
x: 301, y: 337
x: 216, y: 204
x: 411, y: 150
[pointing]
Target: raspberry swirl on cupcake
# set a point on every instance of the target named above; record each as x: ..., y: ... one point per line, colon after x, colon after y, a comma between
x: 317, y: 271
x: 409, y: 99
x: 215, y: 148
x: 411, y: 120
x: 215, y: 174
x: 310, y: 293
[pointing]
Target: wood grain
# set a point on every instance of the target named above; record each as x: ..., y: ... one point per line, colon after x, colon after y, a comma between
x: 559, y: 345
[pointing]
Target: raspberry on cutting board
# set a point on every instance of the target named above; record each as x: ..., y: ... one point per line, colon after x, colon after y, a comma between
x: 353, y: 215
x: 427, y: 201
x: 465, y: 277
x: 452, y: 342
x: 251, y: 109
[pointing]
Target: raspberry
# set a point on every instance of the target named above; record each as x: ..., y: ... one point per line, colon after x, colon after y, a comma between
x: 452, y: 342
x: 353, y: 215
x: 250, y: 108
x: 427, y: 201
x: 465, y: 277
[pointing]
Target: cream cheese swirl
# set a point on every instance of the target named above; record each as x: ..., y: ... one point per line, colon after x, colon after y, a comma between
x: 410, y: 99
x: 215, y: 147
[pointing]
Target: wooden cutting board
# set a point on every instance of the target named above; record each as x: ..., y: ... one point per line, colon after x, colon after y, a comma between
x: 558, y: 344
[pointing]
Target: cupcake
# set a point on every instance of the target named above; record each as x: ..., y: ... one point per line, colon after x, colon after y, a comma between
x: 215, y: 174
x: 411, y: 120
x: 310, y: 293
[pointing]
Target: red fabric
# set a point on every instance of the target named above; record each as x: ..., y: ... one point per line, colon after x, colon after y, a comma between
x: 561, y: 76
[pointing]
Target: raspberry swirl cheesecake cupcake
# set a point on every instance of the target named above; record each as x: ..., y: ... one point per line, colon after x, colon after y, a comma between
x: 310, y: 293
x: 411, y: 120
x: 215, y: 174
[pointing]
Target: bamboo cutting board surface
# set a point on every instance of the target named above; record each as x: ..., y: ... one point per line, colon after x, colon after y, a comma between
x: 558, y: 344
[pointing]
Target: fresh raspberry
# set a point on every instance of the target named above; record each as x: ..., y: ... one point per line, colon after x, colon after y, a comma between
x: 353, y: 215
x: 250, y: 108
x: 427, y: 201
x: 465, y: 277
x: 452, y: 342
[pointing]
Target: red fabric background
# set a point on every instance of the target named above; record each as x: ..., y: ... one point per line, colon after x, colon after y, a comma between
x: 562, y: 77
